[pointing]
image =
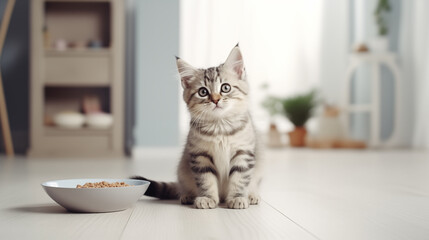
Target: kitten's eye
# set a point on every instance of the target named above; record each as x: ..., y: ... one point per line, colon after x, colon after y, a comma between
x: 203, y: 92
x: 225, y: 88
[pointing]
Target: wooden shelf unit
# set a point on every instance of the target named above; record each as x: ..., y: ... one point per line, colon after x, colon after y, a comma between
x: 103, y: 52
x: 56, y: 131
x: 61, y: 78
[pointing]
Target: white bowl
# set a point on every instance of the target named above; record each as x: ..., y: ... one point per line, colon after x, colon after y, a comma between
x: 69, y: 120
x: 99, y: 120
x: 65, y: 193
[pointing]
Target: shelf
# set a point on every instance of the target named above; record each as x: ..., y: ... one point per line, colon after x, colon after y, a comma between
x: 76, y: 66
x: 78, y: 21
x: 84, y: 131
x: 101, y: 52
x: 77, y: 70
x: 76, y: 84
x: 77, y: 1
x: 369, y: 56
x: 60, y: 99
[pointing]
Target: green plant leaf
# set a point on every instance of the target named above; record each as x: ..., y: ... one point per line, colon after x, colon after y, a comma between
x: 383, y: 7
x: 299, y: 109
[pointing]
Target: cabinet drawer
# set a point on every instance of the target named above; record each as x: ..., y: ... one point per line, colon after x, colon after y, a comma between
x: 77, y: 70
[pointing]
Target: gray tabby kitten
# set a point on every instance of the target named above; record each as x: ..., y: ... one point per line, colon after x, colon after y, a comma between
x: 220, y: 161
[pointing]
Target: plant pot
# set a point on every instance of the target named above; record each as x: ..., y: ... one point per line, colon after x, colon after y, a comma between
x: 297, y: 137
x: 380, y: 45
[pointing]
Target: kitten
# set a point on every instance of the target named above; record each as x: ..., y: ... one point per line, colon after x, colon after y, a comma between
x: 220, y: 161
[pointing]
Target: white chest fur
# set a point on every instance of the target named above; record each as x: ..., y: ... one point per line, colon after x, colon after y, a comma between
x: 223, y: 149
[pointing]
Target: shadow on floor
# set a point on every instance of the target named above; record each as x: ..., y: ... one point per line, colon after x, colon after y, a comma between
x: 159, y: 201
x: 175, y: 202
x: 52, y: 209
x: 41, y: 208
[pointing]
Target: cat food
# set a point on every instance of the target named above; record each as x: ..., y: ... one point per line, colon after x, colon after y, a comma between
x: 103, y: 184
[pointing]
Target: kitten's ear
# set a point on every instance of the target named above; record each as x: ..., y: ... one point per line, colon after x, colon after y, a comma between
x: 186, y: 71
x: 235, y: 62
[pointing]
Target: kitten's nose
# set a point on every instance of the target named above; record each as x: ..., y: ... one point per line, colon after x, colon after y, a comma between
x: 215, y: 98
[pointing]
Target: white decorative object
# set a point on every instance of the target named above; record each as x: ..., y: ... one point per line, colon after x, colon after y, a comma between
x: 61, y: 45
x: 373, y: 108
x: 99, y: 120
x: 69, y: 120
x: 379, y: 45
x: 330, y: 128
x: 65, y: 193
x: 274, y: 137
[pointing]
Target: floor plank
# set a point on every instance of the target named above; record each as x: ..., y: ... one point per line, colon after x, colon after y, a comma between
x: 306, y: 194
x: 155, y: 219
x: 26, y: 212
x: 50, y: 221
x: 352, y: 194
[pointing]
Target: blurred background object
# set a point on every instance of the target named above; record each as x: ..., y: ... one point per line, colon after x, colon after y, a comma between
x: 81, y: 87
x: 381, y: 14
x: 84, y: 60
x: 4, y: 119
x: 331, y: 132
x: 376, y: 62
x: 297, y: 109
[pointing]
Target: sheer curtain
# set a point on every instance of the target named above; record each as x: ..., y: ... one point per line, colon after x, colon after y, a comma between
x: 281, y: 42
x: 414, y: 49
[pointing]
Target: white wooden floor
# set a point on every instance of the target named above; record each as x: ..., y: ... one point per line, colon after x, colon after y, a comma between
x: 306, y: 195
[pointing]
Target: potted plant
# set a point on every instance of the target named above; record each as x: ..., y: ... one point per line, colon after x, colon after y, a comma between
x: 298, y: 110
x: 381, y: 43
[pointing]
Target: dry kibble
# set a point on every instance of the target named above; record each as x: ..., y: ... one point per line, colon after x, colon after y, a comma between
x: 103, y: 184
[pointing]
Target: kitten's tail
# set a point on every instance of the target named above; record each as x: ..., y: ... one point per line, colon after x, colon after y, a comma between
x: 161, y: 190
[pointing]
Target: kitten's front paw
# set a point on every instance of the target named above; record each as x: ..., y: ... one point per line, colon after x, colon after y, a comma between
x: 253, y: 199
x: 238, y: 203
x: 204, y: 203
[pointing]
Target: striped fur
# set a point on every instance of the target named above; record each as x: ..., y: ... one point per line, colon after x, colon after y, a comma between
x: 220, y: 162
